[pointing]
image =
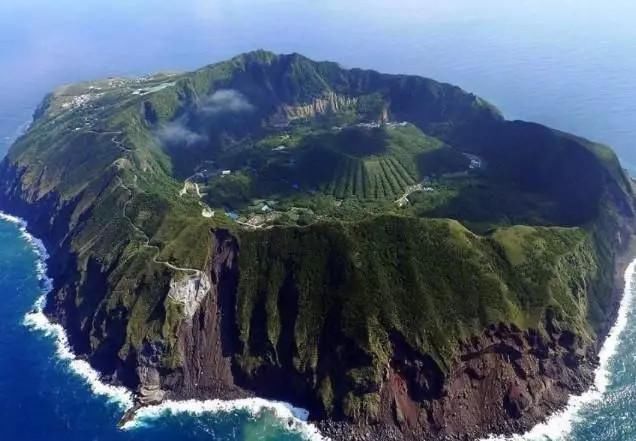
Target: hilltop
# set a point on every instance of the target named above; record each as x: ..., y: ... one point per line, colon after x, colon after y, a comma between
x: 387, y: 251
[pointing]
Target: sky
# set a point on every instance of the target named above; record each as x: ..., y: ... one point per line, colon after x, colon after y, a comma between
x: 565, y: 63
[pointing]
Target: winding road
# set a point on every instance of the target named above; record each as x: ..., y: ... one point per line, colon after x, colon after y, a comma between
x: 145, y: 238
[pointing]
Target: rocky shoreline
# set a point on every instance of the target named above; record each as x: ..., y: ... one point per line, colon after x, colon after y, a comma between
x: 540, y: 376
x: 344, y: 431
x: 521, y: 350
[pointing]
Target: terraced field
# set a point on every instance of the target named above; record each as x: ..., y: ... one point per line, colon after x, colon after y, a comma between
x: 383, y: 174
x: 357, y: 163
x: 375, y: 178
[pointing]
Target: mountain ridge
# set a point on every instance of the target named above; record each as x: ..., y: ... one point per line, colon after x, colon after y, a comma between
x: 119, y: 177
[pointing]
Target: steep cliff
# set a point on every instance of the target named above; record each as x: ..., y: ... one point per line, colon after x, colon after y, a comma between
x: 384, y: 250
x: 421, y: 325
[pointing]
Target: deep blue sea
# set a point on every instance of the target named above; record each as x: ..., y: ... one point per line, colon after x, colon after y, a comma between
x: 47, y: 394
x: 570, y: 64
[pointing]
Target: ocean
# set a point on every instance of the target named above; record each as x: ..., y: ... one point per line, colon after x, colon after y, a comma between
x: 49, y: 394
x: 569, y: 65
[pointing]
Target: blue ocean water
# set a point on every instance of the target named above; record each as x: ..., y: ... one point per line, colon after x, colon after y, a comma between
x: 569, y: 64
x: 46, y: 394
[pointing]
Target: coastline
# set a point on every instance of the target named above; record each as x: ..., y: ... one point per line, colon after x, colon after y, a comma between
x: 559, y: 424
x: 38, y: 321
x: 554, y: 426
x: 293, y: 418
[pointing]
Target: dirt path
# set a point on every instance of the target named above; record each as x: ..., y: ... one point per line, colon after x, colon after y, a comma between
x: 114, y: 139
x: 146, y: 240
x: 138, y: 230
x: 402, y: 200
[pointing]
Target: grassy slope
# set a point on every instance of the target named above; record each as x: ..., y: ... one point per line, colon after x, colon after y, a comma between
x: 363, y: 164
x: 431, y: 280
x: 100, y: 170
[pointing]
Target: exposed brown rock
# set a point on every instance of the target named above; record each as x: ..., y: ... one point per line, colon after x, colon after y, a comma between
x: 329, y: 103
x: 207, y: 341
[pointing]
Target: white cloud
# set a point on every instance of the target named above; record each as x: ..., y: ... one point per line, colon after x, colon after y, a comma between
x: 221, y: 101
x: 226, y: 101
x: 177, y: 133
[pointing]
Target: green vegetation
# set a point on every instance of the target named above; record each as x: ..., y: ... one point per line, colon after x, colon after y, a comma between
x: 372, y: 165
x: 365, y: 205
x: 433, y: 281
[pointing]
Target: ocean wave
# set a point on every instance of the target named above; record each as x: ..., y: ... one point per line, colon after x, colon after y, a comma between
x: 36, y: 319
x: 19, y: 131
x: 556, y: 427
x: 559, y: 425
x: 295, y: 418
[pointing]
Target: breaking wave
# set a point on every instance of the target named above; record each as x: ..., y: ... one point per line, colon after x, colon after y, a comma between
x: 37, y: 320
x: 559, y: 425
x: 295, y: 418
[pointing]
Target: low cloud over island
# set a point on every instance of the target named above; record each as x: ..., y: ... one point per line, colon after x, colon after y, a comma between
x: 224, y: 101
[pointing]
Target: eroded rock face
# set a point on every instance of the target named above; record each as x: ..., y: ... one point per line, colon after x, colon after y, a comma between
x: 149, y: 391
x: 329, y: 103
x: 504, y: 380
x: 190, y: 291
x: 524, y: 377
x: 207, y: 336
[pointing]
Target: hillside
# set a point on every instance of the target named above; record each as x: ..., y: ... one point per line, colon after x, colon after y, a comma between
x: 385, y: 250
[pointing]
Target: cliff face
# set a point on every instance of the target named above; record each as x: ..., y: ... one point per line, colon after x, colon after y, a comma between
x: 396, y: 321
x: 503, y: 381
x: 81, y: 284
x: 498, y: 378
x: 207, y: 341
x: 330, y: 103
x: 326, y: 346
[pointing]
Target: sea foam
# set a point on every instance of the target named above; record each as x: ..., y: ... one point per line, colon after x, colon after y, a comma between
x: 294, y: 417
x: 37, y: 320
x: 559, y: 425
x: 556, y: 427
